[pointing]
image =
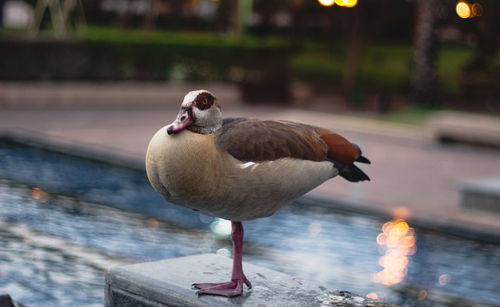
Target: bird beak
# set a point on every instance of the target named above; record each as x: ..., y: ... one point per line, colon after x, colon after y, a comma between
x: 184, y: 119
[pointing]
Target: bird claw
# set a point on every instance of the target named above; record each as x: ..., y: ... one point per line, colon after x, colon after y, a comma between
x: 227, y: 289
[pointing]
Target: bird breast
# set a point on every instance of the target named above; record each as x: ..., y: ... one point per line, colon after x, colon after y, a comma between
x: 189, y: 170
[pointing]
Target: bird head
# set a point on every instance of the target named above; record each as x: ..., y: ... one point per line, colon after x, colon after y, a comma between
x: 199, y: 113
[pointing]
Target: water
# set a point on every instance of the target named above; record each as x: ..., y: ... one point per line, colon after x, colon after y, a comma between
x: 55, y: 249
x: 87, y: 179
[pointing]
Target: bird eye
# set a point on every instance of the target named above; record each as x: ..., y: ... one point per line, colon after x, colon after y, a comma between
x: 204, y: 101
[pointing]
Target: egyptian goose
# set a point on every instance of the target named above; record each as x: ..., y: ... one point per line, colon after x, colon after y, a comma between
x: 241, y: 169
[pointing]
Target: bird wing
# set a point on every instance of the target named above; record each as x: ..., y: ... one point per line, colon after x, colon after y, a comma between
x: 256, y: 141
x: 339, y: 148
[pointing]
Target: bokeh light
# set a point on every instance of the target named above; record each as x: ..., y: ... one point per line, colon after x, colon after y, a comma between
x: 221, y: 227
x: 350, y: 3
x: 224, y: 252
x: 326, y: 2
x: 422, y: 294
x: 152, y: 223
x: 344, y: 3
x: 444, y: 279
x: 477, y: 10
x: 314, y: 229
x: 401, y: 212
x: 463, y: 9
x: 40, y: 195
x: 399, y: 240
x: 373, y: 296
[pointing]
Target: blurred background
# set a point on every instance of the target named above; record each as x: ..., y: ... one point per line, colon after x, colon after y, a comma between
x: 374, y: 56
x: 84, y: 84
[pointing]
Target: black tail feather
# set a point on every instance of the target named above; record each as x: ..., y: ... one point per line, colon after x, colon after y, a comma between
x: 363, y: 160
x: 352, y: 173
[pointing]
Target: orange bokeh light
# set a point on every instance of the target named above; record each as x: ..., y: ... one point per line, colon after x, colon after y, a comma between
x: 344, y: 3
x: 401, y: 212
x: 152, y: 223
x: 350, y: 3
x: 40, y: 195
x: 326, y: 2
x: 463, y: 9
x: 373, y: 296
x: 398, y: 239
x: 477, y: 10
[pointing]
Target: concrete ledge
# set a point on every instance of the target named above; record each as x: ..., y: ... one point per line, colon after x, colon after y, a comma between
x: 168, y: 283
x: 6, y: 301
x: 465, y: 128
x: 481, y: 194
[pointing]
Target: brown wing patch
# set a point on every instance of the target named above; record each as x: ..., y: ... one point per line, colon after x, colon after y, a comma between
x: 254, y: 140
x: 339, y: 148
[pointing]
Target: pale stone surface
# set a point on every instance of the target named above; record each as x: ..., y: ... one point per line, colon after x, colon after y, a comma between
x: 107, y: 95
x: 482, y: 193
x: 168, y: 283
x: 465, y: 127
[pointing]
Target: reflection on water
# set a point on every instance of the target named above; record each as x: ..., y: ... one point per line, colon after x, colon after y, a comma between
x: 398, y: 239
x: 37, y: 269
x: 40, y: 194
x: 221, y: 227
x: 54, y: 250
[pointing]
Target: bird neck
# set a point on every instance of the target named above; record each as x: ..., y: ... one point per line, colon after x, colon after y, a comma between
x: 204, y: 130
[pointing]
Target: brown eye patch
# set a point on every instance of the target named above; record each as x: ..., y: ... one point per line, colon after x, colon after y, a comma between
x: 204, y: 101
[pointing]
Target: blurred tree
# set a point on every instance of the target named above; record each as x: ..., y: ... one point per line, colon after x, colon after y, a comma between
x: 224, y: 15
x: 482, y: 31
x: 234, y: 20
x: 94, y: 13
x: 2, y: 3
x: 74, y: 14
x: 267, y: 10
x: 243, y: 15
x: 123, y: 18
x: 152, y: 14
x: 176, y: 8
x: 298, y: 30
x: 480, y: 75
x: 426, y: 44
x: 57, y: 17
x: 488, y: 31
x: 65, y: 15
x: 355, y: 48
